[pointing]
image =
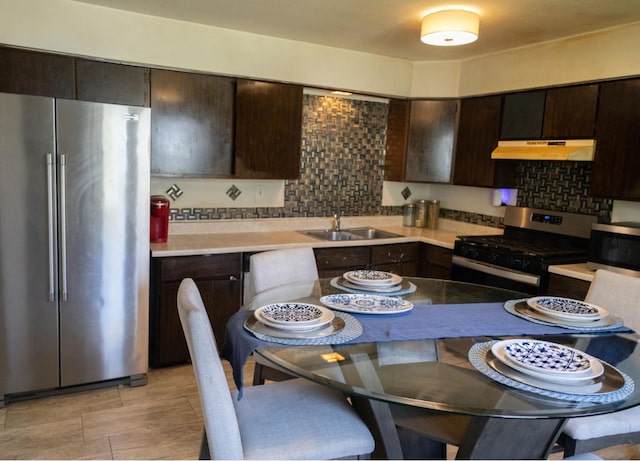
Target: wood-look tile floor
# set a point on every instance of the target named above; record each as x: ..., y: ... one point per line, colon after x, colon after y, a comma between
x: 162, y: 420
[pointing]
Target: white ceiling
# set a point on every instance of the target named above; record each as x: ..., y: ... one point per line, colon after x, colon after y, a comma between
x: 392, y: 27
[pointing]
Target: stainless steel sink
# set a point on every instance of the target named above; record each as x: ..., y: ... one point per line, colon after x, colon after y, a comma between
x: 371, y: 233
x: 361, y: 233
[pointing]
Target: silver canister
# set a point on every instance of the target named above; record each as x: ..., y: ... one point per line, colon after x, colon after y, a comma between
x: 421, y: 213
x: 433, y: 213
x: 409, y: 215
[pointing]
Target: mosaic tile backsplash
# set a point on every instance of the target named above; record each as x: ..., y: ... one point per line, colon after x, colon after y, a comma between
x: 342, y: 169
x: 560, y: 186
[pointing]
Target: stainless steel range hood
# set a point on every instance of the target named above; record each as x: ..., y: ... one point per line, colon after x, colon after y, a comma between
x: 574, y: 149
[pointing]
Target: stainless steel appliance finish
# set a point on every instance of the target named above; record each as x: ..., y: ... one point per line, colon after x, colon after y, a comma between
x: 615, y: 247
x: 74, y: 231
x: 533, y: 240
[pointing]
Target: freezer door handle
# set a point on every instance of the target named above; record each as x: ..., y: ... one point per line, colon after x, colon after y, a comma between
x: 63, y: 225
x: 51, y: 223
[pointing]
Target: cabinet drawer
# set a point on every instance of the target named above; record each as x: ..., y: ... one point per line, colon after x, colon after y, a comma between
x: 334, y: 258
x: 395, y: 253
x: 201, y: 266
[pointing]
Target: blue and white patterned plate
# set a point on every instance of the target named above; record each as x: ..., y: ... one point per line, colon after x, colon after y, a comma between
x: 567, y: 309
x: 545, y: 357
x: 293, y: 316
x: 366, y: 304
x: 372, y: 277
x: 594, y: 370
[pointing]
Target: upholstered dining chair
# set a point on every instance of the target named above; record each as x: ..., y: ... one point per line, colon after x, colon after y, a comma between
x: 294, y: 419
x: 620, y: 295
x: 270, y: 269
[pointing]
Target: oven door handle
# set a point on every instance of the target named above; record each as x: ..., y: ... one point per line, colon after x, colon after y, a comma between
x: 491, y: 269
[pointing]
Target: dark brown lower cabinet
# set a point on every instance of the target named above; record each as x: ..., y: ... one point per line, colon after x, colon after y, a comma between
x: 567, y: 287
x: 219, y: 281
x: 435, y: 262
x: 399, y: 258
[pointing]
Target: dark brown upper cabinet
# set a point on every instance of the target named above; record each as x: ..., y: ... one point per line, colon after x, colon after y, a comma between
x: 522, y: 115
x: 478, y: 134
x: 192, y: 118
x: 617, y: 158
x: 268, y: 134
x: 112, y: 83
x: 432, y: 128
x: 556, y: 113
x: 570, y: 112
x: 34, y: 73
x: 396, y: 143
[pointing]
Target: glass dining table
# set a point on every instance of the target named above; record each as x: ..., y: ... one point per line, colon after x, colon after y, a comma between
x: 420, y: 380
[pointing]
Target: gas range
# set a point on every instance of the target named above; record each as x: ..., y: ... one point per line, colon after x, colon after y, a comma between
x: 533, y: 240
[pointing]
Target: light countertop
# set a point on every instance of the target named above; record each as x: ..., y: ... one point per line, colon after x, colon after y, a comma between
x: 270, y: 234
x: 576, y: 271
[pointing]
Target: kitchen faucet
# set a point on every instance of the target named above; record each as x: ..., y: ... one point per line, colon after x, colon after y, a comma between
x: 337, y: 217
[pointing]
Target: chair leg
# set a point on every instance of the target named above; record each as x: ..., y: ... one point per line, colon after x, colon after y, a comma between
x: 204, y: 447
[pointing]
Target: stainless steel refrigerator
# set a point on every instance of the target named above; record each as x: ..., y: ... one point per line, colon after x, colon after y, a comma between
x: 74, y: 233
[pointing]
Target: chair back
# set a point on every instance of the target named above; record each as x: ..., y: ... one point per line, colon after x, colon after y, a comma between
x: 617, y: 293
x: 220, y: 419
x: 270, y: 269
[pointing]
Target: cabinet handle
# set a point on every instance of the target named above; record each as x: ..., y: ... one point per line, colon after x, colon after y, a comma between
x: 233, y: 277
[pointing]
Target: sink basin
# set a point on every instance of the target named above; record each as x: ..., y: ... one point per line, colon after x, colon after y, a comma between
x: 371, y: 233
x: 332, y: 235
x: 362, y: 233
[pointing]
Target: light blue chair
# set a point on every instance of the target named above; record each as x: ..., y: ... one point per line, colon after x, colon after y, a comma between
x: 620, y: 295
x: 293, y: 419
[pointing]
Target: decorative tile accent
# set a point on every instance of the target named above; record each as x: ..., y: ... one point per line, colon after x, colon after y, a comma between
x: 233, y: 192
x: 406, y: 193
x: 174, y: 192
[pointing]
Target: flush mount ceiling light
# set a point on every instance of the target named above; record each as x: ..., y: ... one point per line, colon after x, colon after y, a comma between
x: 450, y: 28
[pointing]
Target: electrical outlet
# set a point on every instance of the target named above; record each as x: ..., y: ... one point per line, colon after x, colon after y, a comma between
x: 259, y: 193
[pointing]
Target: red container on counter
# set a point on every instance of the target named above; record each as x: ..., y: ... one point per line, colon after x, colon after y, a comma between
x: 159, y: 228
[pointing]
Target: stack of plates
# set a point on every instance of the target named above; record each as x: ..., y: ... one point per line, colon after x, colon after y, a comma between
x: 295, y: 320
x: 371, y: 280
x: 571, y: 310
x: 547, y: 365
x: 565, y: 311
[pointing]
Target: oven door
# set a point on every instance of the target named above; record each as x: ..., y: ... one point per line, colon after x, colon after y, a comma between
x: 471, y: 271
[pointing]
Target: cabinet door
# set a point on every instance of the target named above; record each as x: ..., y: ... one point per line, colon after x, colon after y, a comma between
x: 570, y: 112
x: 431, y: 134
x: 522, y: 115
x: 617, y: 160
x: 268, y: 130
x: 112, y: 83
x: 396, y: 144
x: 191, y: 124
x: 436, y: 262
x: 478, y: 134
x: 39, y: 74
x: 217, y: 278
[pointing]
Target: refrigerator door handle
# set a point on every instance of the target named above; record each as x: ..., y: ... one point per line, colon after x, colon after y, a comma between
x: 50, y: 215
x: 63, y: 225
